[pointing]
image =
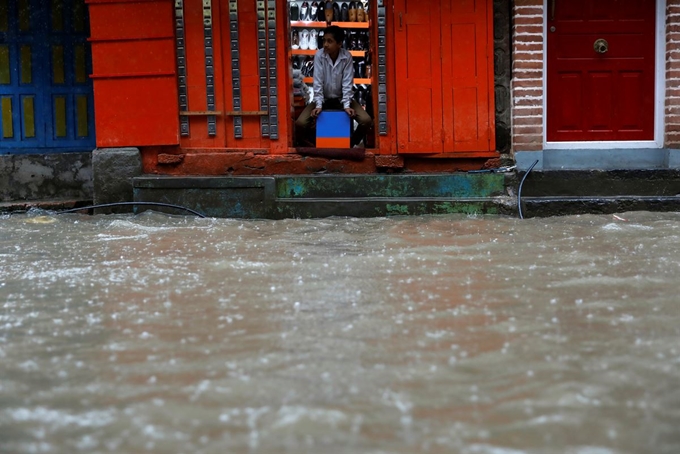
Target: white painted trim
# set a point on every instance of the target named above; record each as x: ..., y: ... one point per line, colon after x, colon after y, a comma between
x: 659, y: 91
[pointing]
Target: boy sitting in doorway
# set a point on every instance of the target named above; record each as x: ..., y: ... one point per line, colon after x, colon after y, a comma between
x: 333, y: 85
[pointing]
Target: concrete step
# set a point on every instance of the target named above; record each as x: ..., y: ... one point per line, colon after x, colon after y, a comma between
x: 560, y: 206
x: 599, y: 159
x: 47, y: 204
x: 568, y: 192
x: 311, y: 196
x: 601, y: 183
x: 456, y: 185
x: 390, y: 206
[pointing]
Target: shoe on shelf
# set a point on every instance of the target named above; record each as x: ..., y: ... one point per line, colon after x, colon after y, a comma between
x: 348, y: 41
x: 304, y: 11
x: 321, y: 13
x: 344, y: 13
x: 319, y: 39
x: 295, y: 40
x: 363, y: 41
x: 328, y: 12
x: 313, y: 39
x: 294, y: 11
x: 307, y: 69
x: 336, y: 12
x: 304, y: 39
x: 355, y: 43
x: 313, y: 11
x: 361, y: 69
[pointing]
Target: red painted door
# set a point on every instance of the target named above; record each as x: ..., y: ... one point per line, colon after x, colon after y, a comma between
x: 444, y: 76
x: 603, y: 94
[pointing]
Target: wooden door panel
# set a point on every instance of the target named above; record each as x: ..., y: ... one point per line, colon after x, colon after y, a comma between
x: 598, y: 90
x: 466, y: 119
x: 570, y: 100
x: 600, y: 13
x: 467, y: 108
x: 631, y: 82
x: 464, y: 52
x: 595, y: 96
x: 420, y: 125
x: 620, y: 46
x: 419, y: 106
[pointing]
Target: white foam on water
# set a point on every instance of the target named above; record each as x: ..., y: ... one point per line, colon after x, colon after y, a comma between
x: 291, y: 415
x: 94, y: 418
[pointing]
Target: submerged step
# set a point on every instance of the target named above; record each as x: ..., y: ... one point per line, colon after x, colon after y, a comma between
x: 604, y: 183
x: 328, y: 195
x: 417, y: 185
x: 560, y: 206
x: 385, y: 206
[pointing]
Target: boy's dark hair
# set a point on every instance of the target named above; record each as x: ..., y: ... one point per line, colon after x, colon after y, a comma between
x: 337, y: 32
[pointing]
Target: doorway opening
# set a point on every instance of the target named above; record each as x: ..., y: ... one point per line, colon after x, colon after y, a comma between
x: 308, y: 21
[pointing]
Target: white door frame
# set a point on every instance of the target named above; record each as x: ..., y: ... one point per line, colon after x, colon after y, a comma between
x: 659, y: 91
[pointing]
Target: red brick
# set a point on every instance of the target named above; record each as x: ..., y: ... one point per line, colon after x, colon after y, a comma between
x: 523, y: 64
x: 528, y: 130
x: 528, y: 121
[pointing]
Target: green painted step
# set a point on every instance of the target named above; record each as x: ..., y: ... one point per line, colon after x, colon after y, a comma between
x: 391, y: 186
x: 311, y: 196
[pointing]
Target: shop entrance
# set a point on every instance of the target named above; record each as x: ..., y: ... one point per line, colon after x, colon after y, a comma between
x: 444, y: 76
x: 601, y: 70
x: 45, y: 88
x: 308, y: 21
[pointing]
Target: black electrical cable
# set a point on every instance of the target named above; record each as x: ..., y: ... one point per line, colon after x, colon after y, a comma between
x: 519, y: 190
x: 158, y: 204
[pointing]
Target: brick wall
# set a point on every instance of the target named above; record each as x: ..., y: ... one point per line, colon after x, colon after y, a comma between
x: 672, y: 132
x: 527, y: 75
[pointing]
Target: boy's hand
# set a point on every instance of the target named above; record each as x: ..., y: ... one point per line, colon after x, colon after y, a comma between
x: 350, y: 112
x: 316, y: 112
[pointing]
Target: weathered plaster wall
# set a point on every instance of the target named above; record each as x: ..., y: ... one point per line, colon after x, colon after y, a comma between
x: 36, y: 177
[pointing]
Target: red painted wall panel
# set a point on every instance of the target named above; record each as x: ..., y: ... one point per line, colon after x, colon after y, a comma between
x: 120, y: 19
x: 136, y: 111
x: 116, y: 58
x: 135, y: 84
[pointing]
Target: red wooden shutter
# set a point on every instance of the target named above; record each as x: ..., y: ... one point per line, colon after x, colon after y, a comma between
x: 467, y: 76
x: 419, y: 77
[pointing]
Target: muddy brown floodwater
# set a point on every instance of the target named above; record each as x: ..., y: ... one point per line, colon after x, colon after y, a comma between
x: 167, y: 334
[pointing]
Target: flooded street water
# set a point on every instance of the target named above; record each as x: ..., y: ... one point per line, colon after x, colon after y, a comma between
x: 168, y: 334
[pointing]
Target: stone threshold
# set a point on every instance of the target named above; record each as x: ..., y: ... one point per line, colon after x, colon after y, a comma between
x: 593, y: 159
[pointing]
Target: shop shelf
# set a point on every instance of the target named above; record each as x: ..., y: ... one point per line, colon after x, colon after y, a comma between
x: 355, y: 53
x: 366, y: 81
x: 323, y: 24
